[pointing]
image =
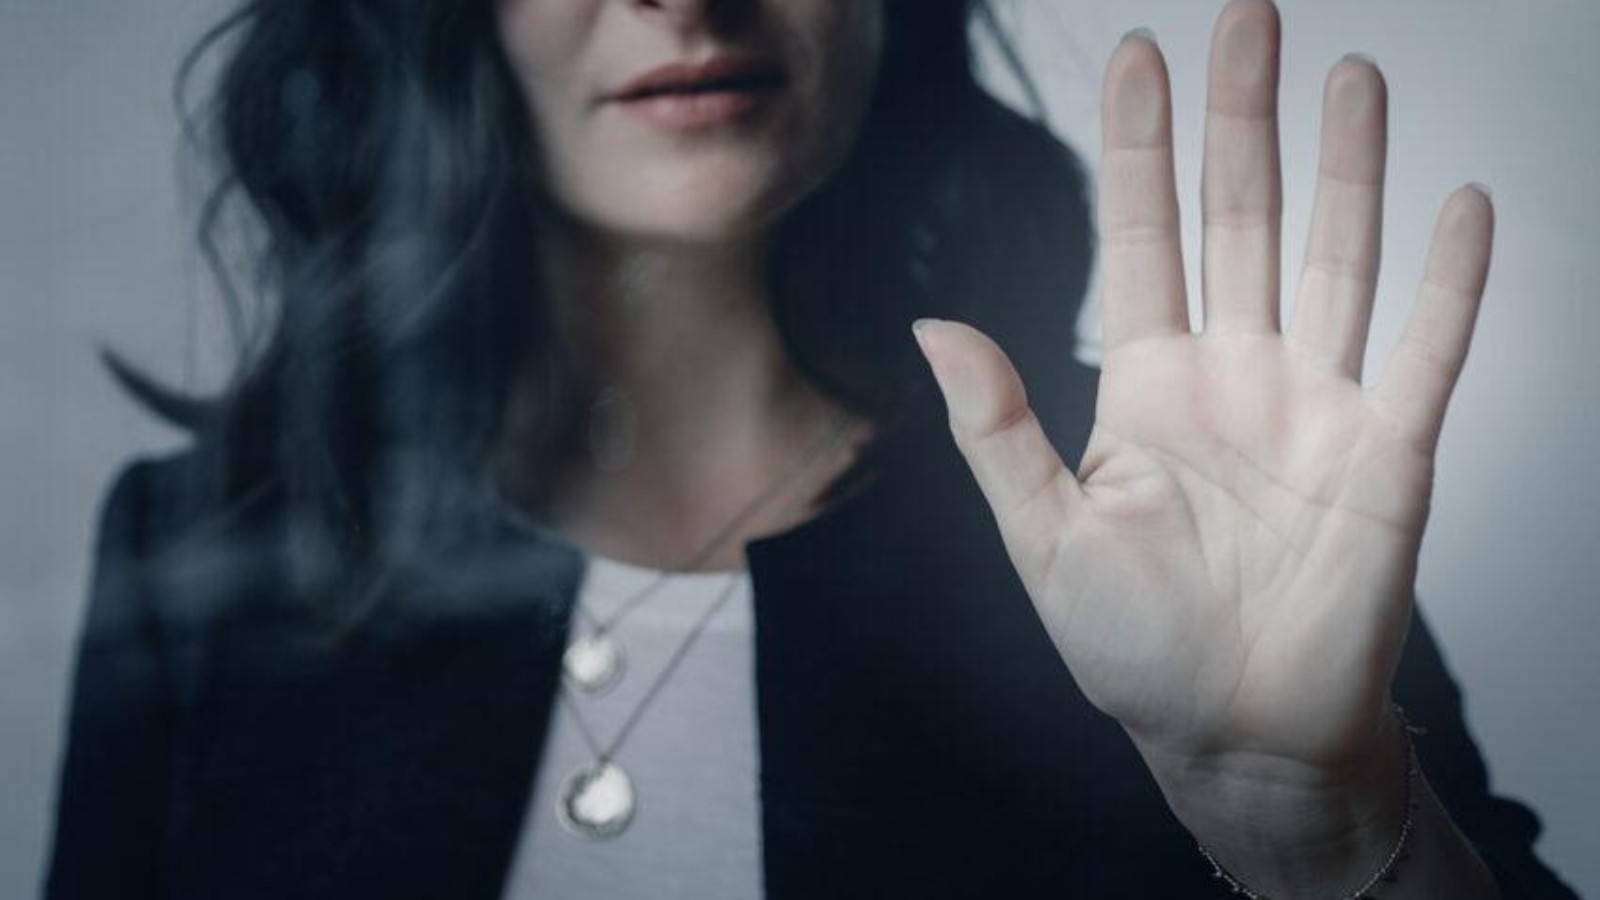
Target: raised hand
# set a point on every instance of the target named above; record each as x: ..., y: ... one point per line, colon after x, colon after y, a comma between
x: 1230, y: 572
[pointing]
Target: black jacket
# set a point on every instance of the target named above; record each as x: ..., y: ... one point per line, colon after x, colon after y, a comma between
x: 919, y: 735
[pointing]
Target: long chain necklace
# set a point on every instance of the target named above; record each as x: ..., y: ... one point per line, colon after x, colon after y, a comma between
x: 598, y: 800
x: 594, y: 662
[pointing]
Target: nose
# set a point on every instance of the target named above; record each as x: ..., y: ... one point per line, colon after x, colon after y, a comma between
x: 722, y: 18
x: 683, y: 8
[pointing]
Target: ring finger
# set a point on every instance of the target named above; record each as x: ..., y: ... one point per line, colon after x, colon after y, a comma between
x: 1333, y: 304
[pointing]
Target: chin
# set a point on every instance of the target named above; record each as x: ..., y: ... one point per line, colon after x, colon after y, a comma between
x: 710, y: 204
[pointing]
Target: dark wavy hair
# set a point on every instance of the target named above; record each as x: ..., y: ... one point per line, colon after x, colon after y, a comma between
x: 383, y: 153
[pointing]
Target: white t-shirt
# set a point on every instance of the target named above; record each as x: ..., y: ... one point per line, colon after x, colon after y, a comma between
x: 692, y: 755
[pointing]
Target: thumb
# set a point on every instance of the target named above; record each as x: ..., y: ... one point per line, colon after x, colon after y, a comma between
x: 1028, y: 487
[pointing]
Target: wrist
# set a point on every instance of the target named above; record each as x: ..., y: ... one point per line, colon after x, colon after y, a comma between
x: 1288, y: 829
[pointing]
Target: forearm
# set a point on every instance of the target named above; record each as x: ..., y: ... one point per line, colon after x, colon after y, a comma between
x: 1438, y: 862
x: 1441, y: 862
x: 1287, y: 838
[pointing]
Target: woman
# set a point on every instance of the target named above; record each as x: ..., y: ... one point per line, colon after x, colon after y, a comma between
x: 594, y: 320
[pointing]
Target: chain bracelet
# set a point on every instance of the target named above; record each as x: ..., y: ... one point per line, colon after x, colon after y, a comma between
x: 1384, y: 874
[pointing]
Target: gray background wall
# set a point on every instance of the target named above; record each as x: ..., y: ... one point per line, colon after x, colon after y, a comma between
x: 95, y: 246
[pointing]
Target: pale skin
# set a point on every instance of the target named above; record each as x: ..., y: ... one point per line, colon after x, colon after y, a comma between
x: 1229, y: 571
x: 720, y: 408
x: 658, y: 267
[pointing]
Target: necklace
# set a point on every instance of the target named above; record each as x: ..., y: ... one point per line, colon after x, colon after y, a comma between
x: 598, y: 800
x: 594, y: 662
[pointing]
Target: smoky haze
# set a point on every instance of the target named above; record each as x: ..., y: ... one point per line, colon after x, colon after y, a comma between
x: 96, y: 247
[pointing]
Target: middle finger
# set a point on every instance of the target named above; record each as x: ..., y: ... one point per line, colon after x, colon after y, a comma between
x: 1241, y: 187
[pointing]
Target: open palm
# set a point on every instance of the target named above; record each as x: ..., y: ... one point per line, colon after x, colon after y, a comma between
x: 1230, y: 571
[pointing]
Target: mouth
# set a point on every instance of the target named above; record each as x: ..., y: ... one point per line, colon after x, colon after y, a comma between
x: 692, y: 96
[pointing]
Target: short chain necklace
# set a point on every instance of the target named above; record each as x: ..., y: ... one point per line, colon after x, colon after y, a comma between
x: 598, y: 800
x: 594, y: 663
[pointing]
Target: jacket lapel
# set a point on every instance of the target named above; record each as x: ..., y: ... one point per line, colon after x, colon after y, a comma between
x: 398, y: 764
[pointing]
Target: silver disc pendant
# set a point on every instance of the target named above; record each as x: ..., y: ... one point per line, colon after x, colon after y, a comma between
x: 593, y: 663
x: 596, y: 801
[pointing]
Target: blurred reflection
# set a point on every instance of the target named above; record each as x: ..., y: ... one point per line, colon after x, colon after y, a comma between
x: 583, y: 520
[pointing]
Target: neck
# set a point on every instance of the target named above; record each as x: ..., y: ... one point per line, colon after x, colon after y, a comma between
x: 685, y: 333
x: 700, y: 406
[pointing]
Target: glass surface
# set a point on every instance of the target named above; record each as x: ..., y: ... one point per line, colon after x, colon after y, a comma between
x: 377, y: 375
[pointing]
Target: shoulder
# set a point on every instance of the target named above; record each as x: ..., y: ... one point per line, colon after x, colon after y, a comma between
x: 171, y: 536
x: 171, y: 496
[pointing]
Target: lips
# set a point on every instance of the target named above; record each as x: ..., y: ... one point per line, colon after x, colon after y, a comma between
x: 716, y: 74
x: 687, y: 96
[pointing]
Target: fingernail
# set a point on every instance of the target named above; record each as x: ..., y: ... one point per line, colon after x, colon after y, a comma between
x: 1141, y: 33
x: 1357, y: 56
x: 919, y: 330
x: 1481, y: 188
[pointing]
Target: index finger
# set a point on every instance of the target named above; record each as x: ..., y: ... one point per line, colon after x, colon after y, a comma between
x: 1424, y: 368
